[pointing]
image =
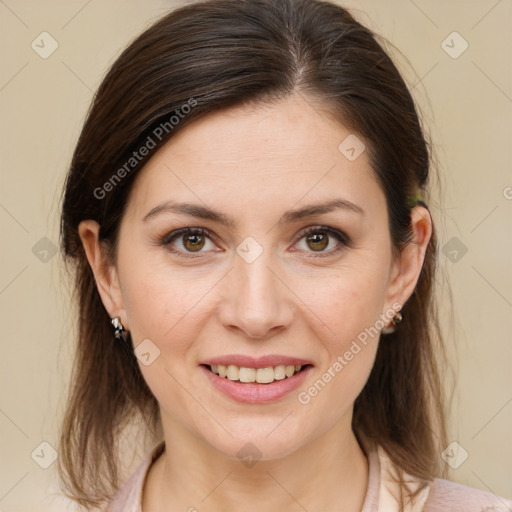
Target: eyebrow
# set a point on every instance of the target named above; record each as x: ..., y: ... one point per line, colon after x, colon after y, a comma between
x: 203, y: 212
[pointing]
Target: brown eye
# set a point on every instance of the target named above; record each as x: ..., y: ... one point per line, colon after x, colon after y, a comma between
x: 193, y: 243
x: 187, y: 240
x: 317, y: 241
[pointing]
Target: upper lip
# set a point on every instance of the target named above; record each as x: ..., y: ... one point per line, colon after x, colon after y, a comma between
x: 259, y: 362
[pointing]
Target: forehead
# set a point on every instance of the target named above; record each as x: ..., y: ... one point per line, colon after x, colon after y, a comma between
x: 258, y: 156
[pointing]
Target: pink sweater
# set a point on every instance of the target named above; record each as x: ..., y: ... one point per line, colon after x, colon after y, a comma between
x: 441, y: 496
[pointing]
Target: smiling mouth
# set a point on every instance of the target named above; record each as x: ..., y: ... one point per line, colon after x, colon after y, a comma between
x: 247, y: 375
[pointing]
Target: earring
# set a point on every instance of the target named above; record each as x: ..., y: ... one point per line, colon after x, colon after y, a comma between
x: 392, y: 328
x: 118, y: 328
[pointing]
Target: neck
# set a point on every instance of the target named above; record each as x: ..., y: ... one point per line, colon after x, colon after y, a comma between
x: 329, y: 473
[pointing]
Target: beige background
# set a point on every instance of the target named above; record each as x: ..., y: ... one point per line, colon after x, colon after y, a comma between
x: 467, y: 102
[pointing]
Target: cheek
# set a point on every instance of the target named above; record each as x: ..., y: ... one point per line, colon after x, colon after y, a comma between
x: 344, y: 305
x: 347, y: 320
x: 349, y: 332
x: 160, y: 301
x: 167, y: 308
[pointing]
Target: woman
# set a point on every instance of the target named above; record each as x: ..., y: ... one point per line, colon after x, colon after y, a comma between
x: 287, y: 344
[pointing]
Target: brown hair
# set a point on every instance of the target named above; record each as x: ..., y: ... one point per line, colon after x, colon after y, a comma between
x: 212, y: 55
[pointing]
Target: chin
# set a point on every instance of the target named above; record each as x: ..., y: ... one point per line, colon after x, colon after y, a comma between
x: 257, y: 443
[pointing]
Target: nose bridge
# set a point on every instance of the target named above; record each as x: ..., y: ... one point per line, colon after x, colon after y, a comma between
x: 256, y: 301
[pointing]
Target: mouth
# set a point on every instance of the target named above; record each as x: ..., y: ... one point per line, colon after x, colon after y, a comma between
x: 251, y: 375
x: 256, y: 380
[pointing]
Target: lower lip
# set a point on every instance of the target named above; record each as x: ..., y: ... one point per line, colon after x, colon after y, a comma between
x: 254, y: 393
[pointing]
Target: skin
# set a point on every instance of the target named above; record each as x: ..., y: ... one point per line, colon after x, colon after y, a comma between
x: 253, y: 163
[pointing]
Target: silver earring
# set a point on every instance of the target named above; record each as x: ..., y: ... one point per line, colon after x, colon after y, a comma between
x: 392, y: 327
x: 118, y: 328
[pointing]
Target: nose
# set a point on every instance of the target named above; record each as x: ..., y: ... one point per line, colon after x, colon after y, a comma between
x: 256, y: 300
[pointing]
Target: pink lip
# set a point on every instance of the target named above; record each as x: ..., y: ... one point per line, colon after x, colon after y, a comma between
x: 254, y: 393
x: 260, y: 362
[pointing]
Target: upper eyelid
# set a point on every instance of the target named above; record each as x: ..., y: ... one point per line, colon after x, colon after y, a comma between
x: 206, y: 231
x: 175, y: 233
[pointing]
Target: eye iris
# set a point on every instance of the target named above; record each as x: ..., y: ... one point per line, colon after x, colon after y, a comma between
x: 196, y: 246
x: 318, y: 237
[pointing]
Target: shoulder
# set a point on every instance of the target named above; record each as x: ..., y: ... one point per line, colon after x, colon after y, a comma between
x: 439, y: 495
x: 129, y: 496
x: 447, y: 496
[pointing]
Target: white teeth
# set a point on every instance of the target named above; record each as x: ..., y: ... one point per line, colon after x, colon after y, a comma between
x: 259, y: 375
x: 289, y: 370
x: 265, y: 375
x: 247, y: 374
x: 233, y: 372
x: 280, y: 372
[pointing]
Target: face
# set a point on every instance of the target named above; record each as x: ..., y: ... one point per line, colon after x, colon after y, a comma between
x: 257, y: 281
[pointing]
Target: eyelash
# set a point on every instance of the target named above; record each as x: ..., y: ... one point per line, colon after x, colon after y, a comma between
x: 344, y: 240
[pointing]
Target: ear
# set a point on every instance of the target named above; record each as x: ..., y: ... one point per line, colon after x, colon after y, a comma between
x: 105, y: 272
x: 407, y: 266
